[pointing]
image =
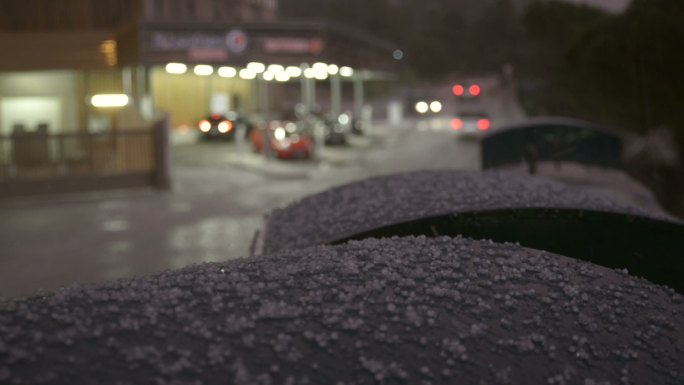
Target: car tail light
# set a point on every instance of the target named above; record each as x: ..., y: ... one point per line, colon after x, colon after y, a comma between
x: 483, y: 124
x: 204, y: 126
x: 456, y: 124
x: 474, y: 90
x: 225, y: 126
x: 458, y: 90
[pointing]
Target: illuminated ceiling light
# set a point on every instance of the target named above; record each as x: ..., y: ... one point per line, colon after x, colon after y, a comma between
x: 333, y: 69
x: 293, y: 72
x: 282, y: 76
x: 227, y: 72
x: 435, y: 106
x: 346, y: 71
x: 256, y: 67
x: 268, y: 76
x: 309, y: 73
x: 203, y: 70
x: 247, y: 74
x: 109, y: 100
x: 176, y: 68
x: 276, y: 68
x: 320, y: 67
x: 321, y: 75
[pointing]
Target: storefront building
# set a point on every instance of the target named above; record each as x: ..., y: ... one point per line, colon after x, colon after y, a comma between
x: 77, y: 68
x: 185, y: 58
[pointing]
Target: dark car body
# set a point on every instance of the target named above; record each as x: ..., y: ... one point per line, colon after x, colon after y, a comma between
x: 226, y: 127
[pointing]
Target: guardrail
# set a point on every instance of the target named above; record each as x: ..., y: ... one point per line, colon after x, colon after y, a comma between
x: 39, y: 163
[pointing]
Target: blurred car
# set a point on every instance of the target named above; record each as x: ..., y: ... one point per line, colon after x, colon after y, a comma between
x: 337, y: 128
x: 288, y: 140
x: 428, y: 107
x: 471, y: 123
x: 218, y: 126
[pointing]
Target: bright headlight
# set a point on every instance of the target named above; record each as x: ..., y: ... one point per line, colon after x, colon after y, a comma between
x: 435, y: 106
x: 279, y: 133
x: 422, y: 107
x: 205, y: 126
x: 225, y: 126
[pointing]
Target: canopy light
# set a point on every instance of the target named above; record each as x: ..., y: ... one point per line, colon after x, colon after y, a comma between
x: 346, y: 71
x: 309, y: 73
x: 203, y: 70
x: 109, y: 100
x: 256, y: 67
x: 247, y: 74
x: 227, y: 72
x: 282, y: 76
x: 276, y: 68
x: 293, y: 72
x: 320, y: 67
x: 176, y: 68
x: 333, y: 69
x: 321, y: 75
x: 268, y: 76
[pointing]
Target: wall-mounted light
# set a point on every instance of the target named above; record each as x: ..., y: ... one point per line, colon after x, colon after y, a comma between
x: 109, y: 100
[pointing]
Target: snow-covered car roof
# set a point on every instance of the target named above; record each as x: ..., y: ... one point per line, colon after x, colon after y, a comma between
x: 402, y: 310
x: 362, y: 206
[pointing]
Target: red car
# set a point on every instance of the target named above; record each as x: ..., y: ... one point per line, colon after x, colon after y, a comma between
x: 287, y: 141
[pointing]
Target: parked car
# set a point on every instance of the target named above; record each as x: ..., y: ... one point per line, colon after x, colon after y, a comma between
x: 287, y: 140
x: 218, y: 126
x: 336, y: 129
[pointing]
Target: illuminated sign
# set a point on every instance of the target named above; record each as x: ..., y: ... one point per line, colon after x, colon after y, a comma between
x: 235, y: 41
x: 292, y: 45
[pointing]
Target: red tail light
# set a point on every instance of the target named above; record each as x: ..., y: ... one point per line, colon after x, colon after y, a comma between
x: 458, y: 90
x: 456, y: 124
x: 474, y: 90
x: 483, y: 124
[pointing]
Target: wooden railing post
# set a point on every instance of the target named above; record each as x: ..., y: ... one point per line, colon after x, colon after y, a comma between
x: 162, y: 152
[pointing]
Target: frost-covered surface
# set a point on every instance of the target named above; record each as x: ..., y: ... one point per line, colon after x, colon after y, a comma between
x: 613, y: 184
x: 401, y: 310
x: 377, y: 202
